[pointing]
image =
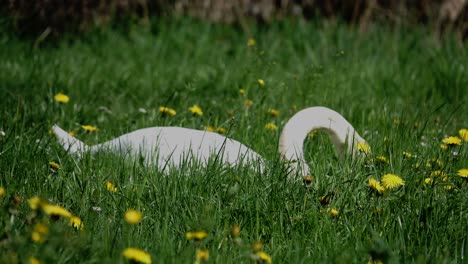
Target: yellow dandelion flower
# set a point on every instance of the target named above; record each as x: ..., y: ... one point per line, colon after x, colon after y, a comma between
x: 197, y: 235
x: 89, y: 128
x: 35, y: 202
x: 428, y: 180
x: 202, y: 255
x: 251, y: 42
x: 111, y: 187
x: 221, y: 130
x: 248, y: 102
x: 167, y: 111
x: 264, y: 257
x: 133, y: 216
x: 33, y: 260
x: 438, y: 173
x: 443, y: 146
x: 452, y: 141
x: 273, y: 112
x: 210, y: 128
x: 54, y: 165
x: 76, y: 223
x: 448, y: 187
x: 390, y: 181
x: 242, y: 91
x: 2, y: 191
x: 363, y: 147
x: 271, y: 127
x: 39, y: 233
x: 235, y: 231
x: 257, y: 246
x: 61, y: 98
x: 308, y: 179
x: 463, y: 173
x: 261, y: 82
x: 72, y: 133
x: 381, y: 159
x: 407, y: 155
x: 56, y: 211
x: 137, y: 255
x: 376, y: 186
x: 463, y: 134
x: 333, y: 212
x: 196, y: 110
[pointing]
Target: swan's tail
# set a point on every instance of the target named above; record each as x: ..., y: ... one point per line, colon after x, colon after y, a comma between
x: 69, y: 143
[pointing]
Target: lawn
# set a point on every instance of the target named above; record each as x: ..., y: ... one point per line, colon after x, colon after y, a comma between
x: 402, y: 91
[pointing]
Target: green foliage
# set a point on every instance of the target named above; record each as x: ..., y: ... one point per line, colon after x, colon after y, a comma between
x: 400, y: 90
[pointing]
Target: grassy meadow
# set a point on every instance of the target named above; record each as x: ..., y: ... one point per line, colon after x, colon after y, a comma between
x: 402, y: 91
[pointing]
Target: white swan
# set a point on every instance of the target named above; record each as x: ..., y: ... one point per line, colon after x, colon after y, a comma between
x: 174, y: 145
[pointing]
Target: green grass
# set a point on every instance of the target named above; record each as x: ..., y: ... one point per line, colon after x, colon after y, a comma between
x: 373, y: 80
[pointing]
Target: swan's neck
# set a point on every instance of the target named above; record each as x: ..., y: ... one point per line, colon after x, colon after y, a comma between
x: 315, y: 118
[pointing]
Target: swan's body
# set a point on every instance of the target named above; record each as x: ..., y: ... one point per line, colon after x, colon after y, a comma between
x: 169, y: 146
x: 164, y: 146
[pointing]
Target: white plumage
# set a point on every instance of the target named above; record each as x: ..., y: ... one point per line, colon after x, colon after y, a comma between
x: 163, y: 146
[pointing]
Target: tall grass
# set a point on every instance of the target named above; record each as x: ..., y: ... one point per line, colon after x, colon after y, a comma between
x: 400, y: 90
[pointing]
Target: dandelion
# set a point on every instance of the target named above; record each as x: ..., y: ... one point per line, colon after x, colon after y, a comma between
x: 438, y: 173
x: 448, y: 187
x: 61, y: 98
x: 76, y: 223
x: 381, y: 159
x: 241, y: 91
x: 463, y: 173
x: 390, y: 181
x: 54, y: 166
x: 197, y: 235
x: 271, y: 127
x: 251, y: 42
x: 209, y: 128
x: 463, y: 134
x: 428, y: 180
x: 261, y: 82
x: 376, y: 186
x: 273, y: 112
x: 407, y: 155
x: 35, y: 202
x: 307, y: 180
x: 133, y: 216
x: 89, y: 128
x: 363, y: 147
x: 221, y: 130
x: 137, y: 255
x: 235, y: 231
x: 167, y: 111
x: 39, y: 233
x: 33, y: 260
x: 333, y: 212
x: 2, y: 191
x: 202, y: 255
x: 452, y: 141
x: 443, y: 146
x: 111, y: 187
x: 196, y: 110
x: 55, y: 211
x: 72, y: 133
x: 248, y: 103
x: 263, y: 257
x: 257, y: 246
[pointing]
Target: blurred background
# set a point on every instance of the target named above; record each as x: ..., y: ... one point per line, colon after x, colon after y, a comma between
x: 52, y: 18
